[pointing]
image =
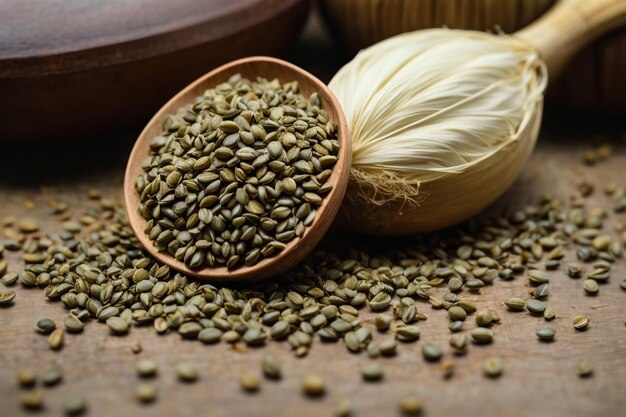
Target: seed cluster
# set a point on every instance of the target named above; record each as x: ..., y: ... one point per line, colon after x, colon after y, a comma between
x: 237, y: 175
x: 98, y: 270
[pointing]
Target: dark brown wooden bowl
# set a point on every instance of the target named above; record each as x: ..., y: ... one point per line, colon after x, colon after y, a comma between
x: 72, y: 68
x: 298, y: 248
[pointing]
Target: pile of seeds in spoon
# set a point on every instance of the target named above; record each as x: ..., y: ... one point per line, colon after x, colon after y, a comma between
x: 238, y: 174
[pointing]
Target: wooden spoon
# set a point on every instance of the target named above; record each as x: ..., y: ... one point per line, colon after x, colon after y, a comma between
x: 299, y: 247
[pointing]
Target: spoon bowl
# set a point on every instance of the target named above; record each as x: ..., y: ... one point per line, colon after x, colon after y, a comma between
x: 298, y: 248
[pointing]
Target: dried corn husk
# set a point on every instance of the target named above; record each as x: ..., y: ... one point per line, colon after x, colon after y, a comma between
x: 441, y: 123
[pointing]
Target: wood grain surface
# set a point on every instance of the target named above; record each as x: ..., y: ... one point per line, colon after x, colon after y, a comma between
x: 298, y: 248
x: 539, y: 379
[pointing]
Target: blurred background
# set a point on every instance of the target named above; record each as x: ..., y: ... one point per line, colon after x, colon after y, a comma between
x: 71, y: 68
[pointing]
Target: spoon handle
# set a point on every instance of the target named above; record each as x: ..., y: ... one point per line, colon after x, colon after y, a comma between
x: 570, y: 26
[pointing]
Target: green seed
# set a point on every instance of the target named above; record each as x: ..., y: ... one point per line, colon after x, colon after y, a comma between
x: 549, y: 313
x: 581, y: 322
x: 492, y: 367
x: 72, y: 324
x: 372, y: 372
x: 147, y: 368
x: 52, y: 375
x: 75, y: 405
x: 431, y: 352
x: 484, y: 318
x: 542, y: 291
x: 186, y: 372
x: 313, y: 386
x: 46, y: 326
x: 271, y: 368
x: 546, y: 334
x: 447, y: 368
x: 117, y: 325
x: 456, y: 313
x: 407, y: 333
x: 515, y: 303
x: 382, y: 322
x: 210, y: 335
x: 456, y: 326
x: 482, y: 335
x: 411, y: 407
x: 27, y: 226
x: 538, y: 277
x: 146, y: 393
x: 9, y: 278
x: 535, y: 306
x: 590, y: 286
x: 388, y: 347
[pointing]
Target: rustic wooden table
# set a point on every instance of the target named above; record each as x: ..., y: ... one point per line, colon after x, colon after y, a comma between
x: 539, y: 378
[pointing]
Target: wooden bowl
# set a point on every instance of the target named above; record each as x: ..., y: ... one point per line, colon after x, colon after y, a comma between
x: 69, y: 69
x: 298, y: 248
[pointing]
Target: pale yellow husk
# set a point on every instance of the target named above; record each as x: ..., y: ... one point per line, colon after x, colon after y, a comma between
x: 433, y: 103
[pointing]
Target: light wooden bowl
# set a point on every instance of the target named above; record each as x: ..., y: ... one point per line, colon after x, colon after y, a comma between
x: 594, y: 81
x: 298, y: 248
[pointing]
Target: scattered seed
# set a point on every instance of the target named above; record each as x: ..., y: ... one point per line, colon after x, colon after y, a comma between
x: 411, y: 407
x: 456, y: 313
x: 585, y: 368
x: 492, y: 367
x: 313, y: 386
x: 33, y: 400
x: 581, y: 322
x: 249, y: 382
x: 372, y: 371
x: 147, y: 368
x: 590, y: 286
x: 52, y: 375
x: 484, y: 318
x: 271, y: 368
x: 26, y: 378
x: 515, y: 303
x: 7, y: 298
x: 56, y: 339
x: 75, y: 405
x: 187, y: 372
x: 447, y: 368
x: 482, y: 335
x: 46, y: 326
x: 431, y: 352
x: 535, y: 306
x: 343, y: 409
x: 72, y: 324
x: 545, y: 334
x: 117, y: 325
x: 146, y: 393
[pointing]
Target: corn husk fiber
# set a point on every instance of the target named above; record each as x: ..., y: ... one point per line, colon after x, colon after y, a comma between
x: 433, y: 104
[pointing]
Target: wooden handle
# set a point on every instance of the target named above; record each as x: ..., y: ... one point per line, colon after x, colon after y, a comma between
x: 571, y: 25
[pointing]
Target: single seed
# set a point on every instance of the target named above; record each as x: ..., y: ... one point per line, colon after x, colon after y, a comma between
x: 447, y: 368
x: 585, y: 368
x: 46, y: 326
x: 27, y: 226
x: 458, y: 342
x: 456, y: 313
x: 407, y: 333
x: 372, y: 371
x: 546, y: 334
x: 382, y: 322
x: 146, y: 393
x: 75, y: 405
x: 456, y: 326
x: 343, y: 409
x: 535, y: 306
x: 482, y: 335
x: 492, y: 367
x: 147, y: 368
x: 581, y: 322
x: 7, y: 298
x: 186, y: 372
x: 484, y: 318
x: 538, y: 277
x: 26, y: 378
x: 313, y: 386
x: 33, y: 400
x: 249, y: 382
x: 431, y: 352
x: 72, y: 324
x: 590, y: 286
x: 542, y: 291
x: 117, y: 325
x: 549, y: 313
x: 56, y: 339
x: 411, y: 407
x: 52, y: 375
x: 515, y: 303
x: 271, y: 368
